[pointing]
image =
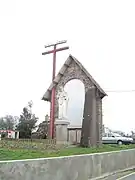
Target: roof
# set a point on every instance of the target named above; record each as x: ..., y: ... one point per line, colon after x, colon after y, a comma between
x: 47, y: 95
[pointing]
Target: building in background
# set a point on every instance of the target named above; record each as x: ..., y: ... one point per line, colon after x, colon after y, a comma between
x: 11, y: 134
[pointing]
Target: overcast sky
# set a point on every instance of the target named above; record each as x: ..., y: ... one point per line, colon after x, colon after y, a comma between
x: 101, y: 35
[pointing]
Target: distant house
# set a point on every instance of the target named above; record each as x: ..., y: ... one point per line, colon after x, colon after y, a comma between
x: 107, y: 130
x: 11, y: 134
x: 120, y: 133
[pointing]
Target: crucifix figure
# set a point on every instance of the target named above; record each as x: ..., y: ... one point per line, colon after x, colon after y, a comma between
x: 52, y: 107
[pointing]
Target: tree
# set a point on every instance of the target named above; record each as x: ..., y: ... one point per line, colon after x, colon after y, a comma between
x: 2, y: 123
x: 8, y: 122
x: 27, y: 122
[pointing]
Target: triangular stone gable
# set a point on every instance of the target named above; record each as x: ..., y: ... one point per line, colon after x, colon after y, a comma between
x: 92, y: 118
x: 72, y: 69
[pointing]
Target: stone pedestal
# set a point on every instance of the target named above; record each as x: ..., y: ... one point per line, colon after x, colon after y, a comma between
x: 61, y: 131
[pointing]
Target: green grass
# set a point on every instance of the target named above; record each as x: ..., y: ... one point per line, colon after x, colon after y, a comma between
x: 16, y: 154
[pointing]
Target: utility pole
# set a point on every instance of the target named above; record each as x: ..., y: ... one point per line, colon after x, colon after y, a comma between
x: 52, y: 107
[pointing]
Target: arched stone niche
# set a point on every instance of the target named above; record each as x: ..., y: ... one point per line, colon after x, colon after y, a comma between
x: 76, y: 97
x: 73, y: 69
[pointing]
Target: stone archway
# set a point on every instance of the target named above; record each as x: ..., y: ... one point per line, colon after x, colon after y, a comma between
x: 72, y: 72
x: 76, y: 94
x: 73, y: 69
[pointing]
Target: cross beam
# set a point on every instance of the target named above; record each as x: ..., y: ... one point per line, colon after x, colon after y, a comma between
x: 57, y: 43
x: 57, y: 50
x: 52, y: 107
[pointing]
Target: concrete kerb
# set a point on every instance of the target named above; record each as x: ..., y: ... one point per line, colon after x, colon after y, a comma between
x: 84, y: 166
x: 110, y: 174
x: 126, y: 176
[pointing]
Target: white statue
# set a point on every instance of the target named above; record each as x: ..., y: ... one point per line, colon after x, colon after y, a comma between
x: 63, y: 104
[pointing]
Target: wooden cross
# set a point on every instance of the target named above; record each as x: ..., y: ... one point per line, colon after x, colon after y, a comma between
x: 52, y: 107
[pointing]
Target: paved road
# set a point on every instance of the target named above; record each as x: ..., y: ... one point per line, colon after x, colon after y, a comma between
x: 128, y: 177
x: 123, y: 176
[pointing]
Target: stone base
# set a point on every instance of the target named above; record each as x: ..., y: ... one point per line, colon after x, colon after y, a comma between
x: 61, y: 131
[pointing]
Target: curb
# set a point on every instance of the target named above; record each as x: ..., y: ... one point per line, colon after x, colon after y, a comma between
x: 113, y: 173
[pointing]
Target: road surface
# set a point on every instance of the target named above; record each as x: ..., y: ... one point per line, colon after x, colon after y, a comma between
x: 122, y: 176
x: 128, y: 177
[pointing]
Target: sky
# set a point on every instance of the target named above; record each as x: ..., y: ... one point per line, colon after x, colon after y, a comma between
x: 100, y: 34
x: 76, y: 96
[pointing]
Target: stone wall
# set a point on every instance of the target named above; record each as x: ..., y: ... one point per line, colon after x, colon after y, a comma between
x: 81, y: 167
x: 72, y: 72
x: 74, y: 135
x: 75, y: 72
x: 99, y: 118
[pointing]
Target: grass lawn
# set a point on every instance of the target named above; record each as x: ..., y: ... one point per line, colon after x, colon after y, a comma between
x: 16, y: 154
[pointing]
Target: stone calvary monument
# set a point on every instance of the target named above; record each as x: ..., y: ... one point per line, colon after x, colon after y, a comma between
x: 62, y: 103
x: 91, y: 133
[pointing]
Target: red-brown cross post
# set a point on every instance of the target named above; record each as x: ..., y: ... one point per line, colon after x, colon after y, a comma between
x: 52, y: 107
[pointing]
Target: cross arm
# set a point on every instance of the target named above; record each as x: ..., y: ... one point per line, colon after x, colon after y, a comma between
x: 57, y: 50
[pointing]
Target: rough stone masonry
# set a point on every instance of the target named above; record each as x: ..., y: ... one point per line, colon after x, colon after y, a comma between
x: 73, y: 69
